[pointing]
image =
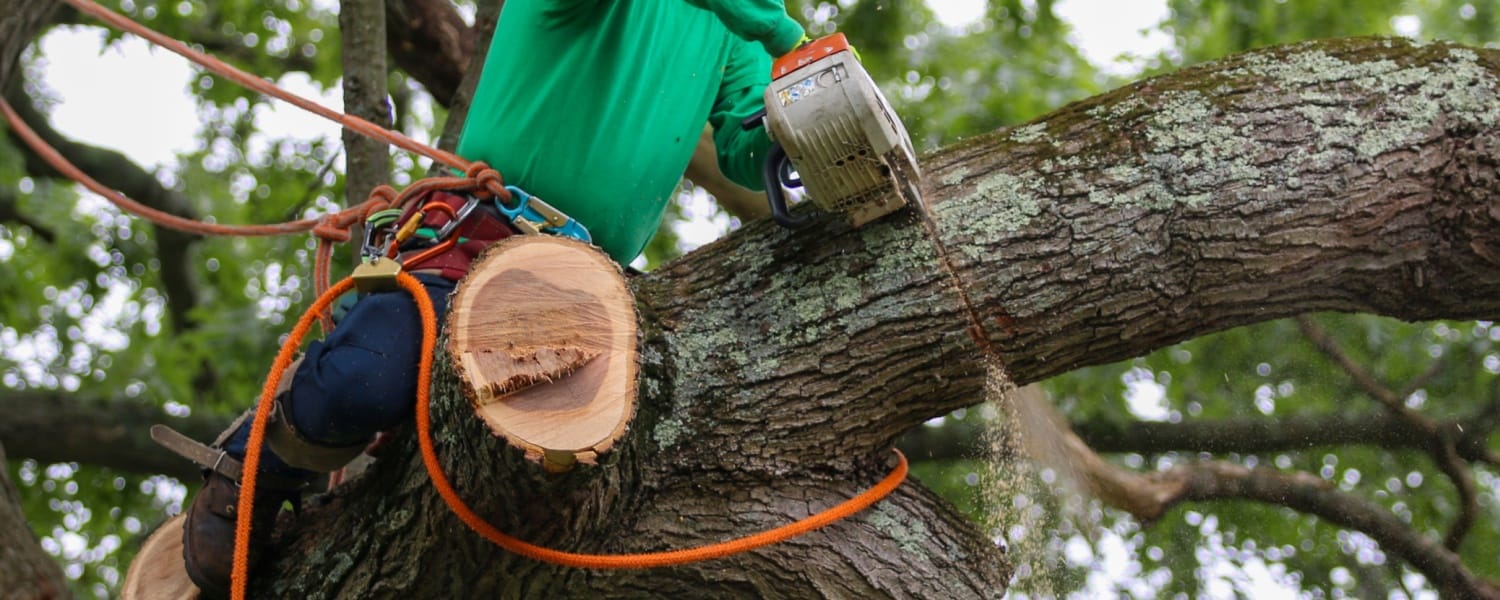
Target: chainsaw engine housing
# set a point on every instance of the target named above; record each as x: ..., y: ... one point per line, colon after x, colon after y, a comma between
x: 849, y: 148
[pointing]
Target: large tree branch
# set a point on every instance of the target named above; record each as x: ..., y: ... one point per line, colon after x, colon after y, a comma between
x: 53, y: 427
x: 429, y: 40
x: 1186, y: 204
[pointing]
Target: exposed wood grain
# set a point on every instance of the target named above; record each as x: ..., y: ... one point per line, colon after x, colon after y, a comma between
x: 157, y: 572
x: 543, y: 335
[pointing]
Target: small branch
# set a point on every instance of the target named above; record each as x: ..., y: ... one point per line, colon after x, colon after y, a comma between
x: 1148, y: 496
x: 1308, y: 493
x: 295, y: 212
x: 9, y: 213
x: 1457, y: 471
x: 487, y: 14
x: 1362, y: 378
x: 1432, y: 371
x: 1442, y: 443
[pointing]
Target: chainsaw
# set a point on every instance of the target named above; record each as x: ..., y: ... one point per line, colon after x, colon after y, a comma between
x: 834, y: 133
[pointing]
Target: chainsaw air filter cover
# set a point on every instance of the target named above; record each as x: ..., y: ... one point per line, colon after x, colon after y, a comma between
x: 849, y: 148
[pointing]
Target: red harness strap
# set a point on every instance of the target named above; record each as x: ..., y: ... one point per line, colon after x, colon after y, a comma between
x: 477, y: 232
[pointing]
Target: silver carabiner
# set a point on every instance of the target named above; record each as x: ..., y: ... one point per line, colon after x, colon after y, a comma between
x: 459, y: 217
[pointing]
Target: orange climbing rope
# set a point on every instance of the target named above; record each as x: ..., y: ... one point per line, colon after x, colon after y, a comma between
x: 459, y: 507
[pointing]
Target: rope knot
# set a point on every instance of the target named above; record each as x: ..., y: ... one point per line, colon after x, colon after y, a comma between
x: 490, y: 180
x: 381, y: 197
x: 330, y: 228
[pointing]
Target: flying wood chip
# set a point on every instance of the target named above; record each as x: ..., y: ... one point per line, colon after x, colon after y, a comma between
x: 542, y: 333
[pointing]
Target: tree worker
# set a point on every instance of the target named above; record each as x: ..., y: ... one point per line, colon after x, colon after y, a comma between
x: 594, y: 105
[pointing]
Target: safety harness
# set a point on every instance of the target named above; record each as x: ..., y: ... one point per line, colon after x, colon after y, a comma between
x: 445, y: 232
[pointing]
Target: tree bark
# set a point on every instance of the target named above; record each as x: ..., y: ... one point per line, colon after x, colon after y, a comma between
x: 25, y: 570
x: 53, y: 426
x: 20, y: 22
x: 368, y: 163
x: 1352, y: 175
x: 429, y: 40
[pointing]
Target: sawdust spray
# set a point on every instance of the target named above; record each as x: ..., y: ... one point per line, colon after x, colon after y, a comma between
x: 1031, y: 507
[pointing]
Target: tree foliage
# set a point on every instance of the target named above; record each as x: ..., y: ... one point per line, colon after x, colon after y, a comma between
x: 107, y: 309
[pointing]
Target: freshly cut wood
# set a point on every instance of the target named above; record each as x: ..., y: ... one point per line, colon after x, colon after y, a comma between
x: 157, y: 572
x: 542, y: 334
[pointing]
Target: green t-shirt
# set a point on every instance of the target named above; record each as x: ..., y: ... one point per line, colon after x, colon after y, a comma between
x: 596, y: 105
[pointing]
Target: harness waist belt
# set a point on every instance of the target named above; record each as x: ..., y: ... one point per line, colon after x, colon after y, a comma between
x: 476, y: 233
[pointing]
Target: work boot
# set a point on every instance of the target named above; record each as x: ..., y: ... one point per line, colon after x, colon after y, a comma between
x: 209, y: 528
x: 209, y: 531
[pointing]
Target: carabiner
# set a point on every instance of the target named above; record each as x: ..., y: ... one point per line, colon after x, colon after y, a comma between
x: 379, y: 224
x: 463, y: 214
x: 532, y: 215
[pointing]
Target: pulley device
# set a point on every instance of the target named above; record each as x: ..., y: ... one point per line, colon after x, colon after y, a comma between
x: 835, y: 134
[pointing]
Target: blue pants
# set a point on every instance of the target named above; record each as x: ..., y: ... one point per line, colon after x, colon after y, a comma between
x: 361, y: 380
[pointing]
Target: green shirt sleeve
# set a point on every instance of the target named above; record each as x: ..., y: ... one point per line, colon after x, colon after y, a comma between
x: 741, y: 152
x: 763, y: 21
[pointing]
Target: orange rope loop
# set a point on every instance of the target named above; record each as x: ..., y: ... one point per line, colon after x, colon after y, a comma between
x: 450, y: 495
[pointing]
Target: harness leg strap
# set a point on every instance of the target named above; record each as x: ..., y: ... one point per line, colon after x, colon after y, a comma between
x: 281, y: 436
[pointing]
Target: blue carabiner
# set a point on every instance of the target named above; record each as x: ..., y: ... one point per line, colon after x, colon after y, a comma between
x: 542, y: 216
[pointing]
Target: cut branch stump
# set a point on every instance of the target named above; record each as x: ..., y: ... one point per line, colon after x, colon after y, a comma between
x: 542, y: 335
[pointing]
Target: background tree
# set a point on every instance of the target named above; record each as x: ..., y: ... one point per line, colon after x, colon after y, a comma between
x: 110, y: 323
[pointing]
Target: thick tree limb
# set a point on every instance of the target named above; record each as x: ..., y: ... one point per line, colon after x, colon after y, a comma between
x: 1263, y: 436
x: 52, y: 427
x: 777, y: 365
x: 26, y: 571
x: 20, y: 22
x: 429, y: 40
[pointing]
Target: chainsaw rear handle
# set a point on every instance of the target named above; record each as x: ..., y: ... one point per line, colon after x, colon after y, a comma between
x: 777, y: 164
x: 755, y: 119
x: 777, y: 173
